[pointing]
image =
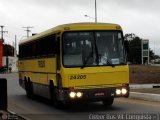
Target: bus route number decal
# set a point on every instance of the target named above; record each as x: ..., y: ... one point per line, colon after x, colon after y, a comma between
x: 76, y: 77
x: 41, y: 63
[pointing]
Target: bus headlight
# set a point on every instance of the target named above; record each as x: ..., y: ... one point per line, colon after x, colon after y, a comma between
x: 79, y: 94
x: 72, y: 94
x: 124, y: 91
x: 118, y: 91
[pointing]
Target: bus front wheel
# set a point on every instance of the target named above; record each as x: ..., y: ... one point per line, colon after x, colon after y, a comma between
x: 108, y: 101
x: 54, y: 100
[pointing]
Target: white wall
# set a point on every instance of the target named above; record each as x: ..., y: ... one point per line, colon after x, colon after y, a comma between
x: 12, y: 62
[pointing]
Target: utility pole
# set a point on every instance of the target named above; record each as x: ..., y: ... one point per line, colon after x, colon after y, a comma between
x: 28, y: 30
x: 2, y: 31
x: 95, y: 17
x: 95, y: 11
x: 15, y: 49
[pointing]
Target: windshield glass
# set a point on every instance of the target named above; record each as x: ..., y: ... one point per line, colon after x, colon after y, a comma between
x: 93, y: 48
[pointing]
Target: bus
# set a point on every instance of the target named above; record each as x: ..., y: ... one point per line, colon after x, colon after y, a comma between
x: 75, y: 62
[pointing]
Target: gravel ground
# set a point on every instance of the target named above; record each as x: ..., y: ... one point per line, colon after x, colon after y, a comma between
x: 144, y: 74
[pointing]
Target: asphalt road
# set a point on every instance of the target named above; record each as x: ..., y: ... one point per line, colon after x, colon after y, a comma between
x: 41, y: 109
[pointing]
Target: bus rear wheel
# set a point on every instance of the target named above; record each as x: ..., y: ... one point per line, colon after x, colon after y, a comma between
x: 29, y: 89
x: 108, y: 101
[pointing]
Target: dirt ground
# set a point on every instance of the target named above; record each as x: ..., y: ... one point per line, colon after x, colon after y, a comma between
x: 144, y: 74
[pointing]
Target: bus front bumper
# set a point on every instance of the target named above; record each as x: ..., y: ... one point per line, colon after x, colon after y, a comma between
x: 97, y: 94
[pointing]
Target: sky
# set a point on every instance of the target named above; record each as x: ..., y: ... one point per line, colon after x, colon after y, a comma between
x: 140, y: 17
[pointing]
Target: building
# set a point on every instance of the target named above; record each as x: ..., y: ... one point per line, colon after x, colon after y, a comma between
x: 8, y: 57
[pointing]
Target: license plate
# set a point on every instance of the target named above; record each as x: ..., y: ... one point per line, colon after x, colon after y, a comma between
x: 99, y: 94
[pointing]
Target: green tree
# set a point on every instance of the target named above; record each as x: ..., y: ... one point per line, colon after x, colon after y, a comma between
x: 151, y: 54
x: 134, y: 55
x: 135, y: 51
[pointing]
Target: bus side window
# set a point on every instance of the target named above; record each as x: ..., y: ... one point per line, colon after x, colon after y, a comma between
x: 51, y: 50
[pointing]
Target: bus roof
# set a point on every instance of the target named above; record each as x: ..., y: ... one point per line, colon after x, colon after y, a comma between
x: 72, y: 27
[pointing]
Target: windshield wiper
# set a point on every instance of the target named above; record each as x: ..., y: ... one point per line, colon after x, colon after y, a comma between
x: 86, y: 60
x: 110, y: 64
x: 96, y: 49
x: 88, y: 57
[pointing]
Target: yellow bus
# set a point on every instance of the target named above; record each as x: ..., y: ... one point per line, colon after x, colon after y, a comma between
x: 75, y: 62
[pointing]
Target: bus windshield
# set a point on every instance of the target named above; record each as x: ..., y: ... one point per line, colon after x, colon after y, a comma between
x: 93, y: 48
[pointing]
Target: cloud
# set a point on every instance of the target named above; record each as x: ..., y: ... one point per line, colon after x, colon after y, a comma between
x: 135, y: 16
x: 139, y: 5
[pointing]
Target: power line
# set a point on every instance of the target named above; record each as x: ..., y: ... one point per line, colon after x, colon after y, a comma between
x: 2, y: 31
x: 28, y: 30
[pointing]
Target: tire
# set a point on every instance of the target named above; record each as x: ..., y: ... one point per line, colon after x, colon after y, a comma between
x: 54, y: 101
x: 29, y: 88
x: 108, y: 101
